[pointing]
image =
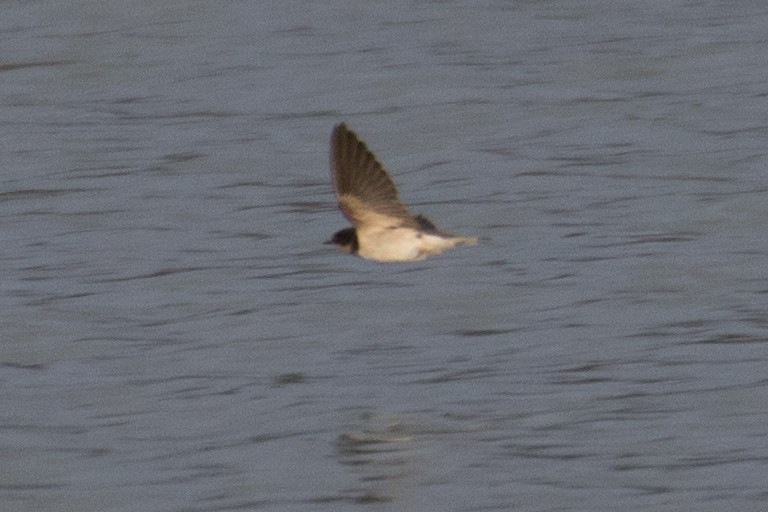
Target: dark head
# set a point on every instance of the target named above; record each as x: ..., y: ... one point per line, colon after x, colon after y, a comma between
x: 346, y: 239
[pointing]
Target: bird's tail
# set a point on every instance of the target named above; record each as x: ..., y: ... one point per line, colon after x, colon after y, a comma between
x: 466, y: 240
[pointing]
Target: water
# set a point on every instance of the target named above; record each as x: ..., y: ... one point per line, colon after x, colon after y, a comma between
x: 175, y: 337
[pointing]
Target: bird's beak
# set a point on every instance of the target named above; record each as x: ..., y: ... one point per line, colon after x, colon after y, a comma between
x: 328, y: 242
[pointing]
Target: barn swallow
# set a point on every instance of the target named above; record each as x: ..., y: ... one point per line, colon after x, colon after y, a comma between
x: 382, y: 227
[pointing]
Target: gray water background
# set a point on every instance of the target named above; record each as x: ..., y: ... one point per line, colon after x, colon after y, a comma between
x: 175, y: 337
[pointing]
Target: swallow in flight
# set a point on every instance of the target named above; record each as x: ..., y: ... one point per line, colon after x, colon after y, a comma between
x: 383, y: 228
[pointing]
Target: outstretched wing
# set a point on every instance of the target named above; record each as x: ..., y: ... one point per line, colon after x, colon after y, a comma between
x: 365, y: 192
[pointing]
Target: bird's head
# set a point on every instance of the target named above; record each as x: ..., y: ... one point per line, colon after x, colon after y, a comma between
x: 346, y: 240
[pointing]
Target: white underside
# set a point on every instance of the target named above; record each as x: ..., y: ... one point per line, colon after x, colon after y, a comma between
x: 403, y: 244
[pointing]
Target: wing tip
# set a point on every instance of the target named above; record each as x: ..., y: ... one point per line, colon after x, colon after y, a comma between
x: 342, y: 138
x: 340, y: 129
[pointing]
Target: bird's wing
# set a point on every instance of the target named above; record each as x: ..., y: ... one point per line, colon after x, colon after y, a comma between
x: 365, y: 192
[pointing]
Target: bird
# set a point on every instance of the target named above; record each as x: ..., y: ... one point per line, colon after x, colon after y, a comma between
x: 383, y: 229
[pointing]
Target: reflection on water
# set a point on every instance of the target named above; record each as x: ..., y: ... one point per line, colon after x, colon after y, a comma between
x: 176, y: 337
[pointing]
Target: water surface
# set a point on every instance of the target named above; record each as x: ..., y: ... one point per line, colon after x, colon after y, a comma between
x: 175, y: 337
